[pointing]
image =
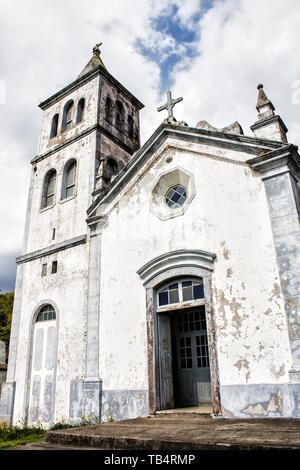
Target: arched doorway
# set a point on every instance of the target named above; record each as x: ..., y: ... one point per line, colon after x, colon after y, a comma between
x: 43, y: 366
x: 182, y: 343
x: 183, y: 329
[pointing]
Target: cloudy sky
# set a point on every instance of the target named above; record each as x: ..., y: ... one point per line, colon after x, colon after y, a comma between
x: 211, y: 52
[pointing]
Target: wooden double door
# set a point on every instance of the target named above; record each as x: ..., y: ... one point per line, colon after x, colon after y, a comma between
x: 184, y: 372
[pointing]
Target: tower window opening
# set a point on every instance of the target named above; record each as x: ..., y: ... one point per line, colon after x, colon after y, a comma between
x: 67, y: 115
x: 112, y: 168
x: 54, y: 267
x: 69, y: 179
x: 44, y: 270
x: 119, y: 115
x: 108, y: 109
x: 130, y: 126
x: 54, y: 126
x: 80, y: 110
x: 49, y: 189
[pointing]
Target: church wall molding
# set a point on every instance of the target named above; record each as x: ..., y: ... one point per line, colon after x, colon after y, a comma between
x: 86, y: 393
x: 52, y: 249
x: 7, y: 398
x: 79, y: 82
x: 284, y: 219
x: 268, y: 121
x: 176, y: 263
x: 276, y: 162
x: 250, y: 145
x: 93, y: 300
x: 280, y: 173
x: 84, y: 133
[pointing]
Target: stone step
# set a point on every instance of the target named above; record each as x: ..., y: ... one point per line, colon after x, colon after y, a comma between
x: 182, y: 432
x: 43, y: 445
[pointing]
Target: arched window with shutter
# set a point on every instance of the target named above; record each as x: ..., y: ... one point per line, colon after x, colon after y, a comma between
x: 69, y: 179
x: 67, y: 115
x: 49, y: 186
x: 54, y: 126
x: 80, y: 110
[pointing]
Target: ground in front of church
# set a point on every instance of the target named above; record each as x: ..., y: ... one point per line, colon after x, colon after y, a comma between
x: 183, y: 429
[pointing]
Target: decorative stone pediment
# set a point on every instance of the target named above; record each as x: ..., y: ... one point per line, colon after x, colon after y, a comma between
x: 177, y: 263
x: 234, y: 128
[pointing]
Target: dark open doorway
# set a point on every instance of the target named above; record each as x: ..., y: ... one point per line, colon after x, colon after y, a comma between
x: 183, y: 358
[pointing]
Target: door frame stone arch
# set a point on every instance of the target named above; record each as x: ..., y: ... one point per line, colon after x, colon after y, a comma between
x: 174, y: 264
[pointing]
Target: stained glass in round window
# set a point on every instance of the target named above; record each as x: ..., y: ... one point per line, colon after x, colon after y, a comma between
x: 175, y: 196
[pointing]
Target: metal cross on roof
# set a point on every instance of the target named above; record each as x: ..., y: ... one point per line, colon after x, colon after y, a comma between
x: 169, y: 105
x: 96, y: 48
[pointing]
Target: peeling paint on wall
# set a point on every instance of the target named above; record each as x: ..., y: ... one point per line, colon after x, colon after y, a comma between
x: 273, y: 405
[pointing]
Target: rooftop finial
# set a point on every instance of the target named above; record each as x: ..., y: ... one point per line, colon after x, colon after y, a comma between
x: 268, y: 125
x: 262, y: 99
x: 94, y: 62
x: 169, y: 105
x: 96, y: 49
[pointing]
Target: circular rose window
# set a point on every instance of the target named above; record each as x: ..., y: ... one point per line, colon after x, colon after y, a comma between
x: 175, y: 196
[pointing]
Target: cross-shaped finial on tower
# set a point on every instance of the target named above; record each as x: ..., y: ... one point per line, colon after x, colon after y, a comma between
x: 169, y: 105
x: 96, y: 48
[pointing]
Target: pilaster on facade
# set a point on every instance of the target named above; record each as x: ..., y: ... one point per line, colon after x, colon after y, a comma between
x: 280, y: 172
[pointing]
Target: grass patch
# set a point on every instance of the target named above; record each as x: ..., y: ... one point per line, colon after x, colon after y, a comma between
x: 22, y: 441
x: 20, y: 435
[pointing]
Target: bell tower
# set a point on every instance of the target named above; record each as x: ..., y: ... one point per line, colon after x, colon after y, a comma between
x: 103, y: 107
x: 118, y: 128
x: 89, y: 132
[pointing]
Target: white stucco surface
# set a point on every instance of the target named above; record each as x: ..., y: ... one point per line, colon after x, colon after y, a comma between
x: 102, y: 346
x: 228, y: 217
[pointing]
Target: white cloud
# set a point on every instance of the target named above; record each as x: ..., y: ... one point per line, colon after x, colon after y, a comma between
x: 187, y: 11
x: 242, y: 43
x: 44, y: 45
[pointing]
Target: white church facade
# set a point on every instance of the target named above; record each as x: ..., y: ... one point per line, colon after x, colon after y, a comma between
x: 155, y: 277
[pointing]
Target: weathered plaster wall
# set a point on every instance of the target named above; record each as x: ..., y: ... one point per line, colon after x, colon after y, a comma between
x: 89, y: 92
x: 129, y: 108
x: 109, y: 148
x: 67, y: 291
x: 228, y: 216
x: 67, y: 216
x: 271, y: 131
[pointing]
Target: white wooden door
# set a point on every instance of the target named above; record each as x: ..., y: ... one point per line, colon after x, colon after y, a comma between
x: 42, y: 378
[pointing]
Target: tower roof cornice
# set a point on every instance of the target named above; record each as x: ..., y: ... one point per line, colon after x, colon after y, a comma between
x: 81, y: 80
